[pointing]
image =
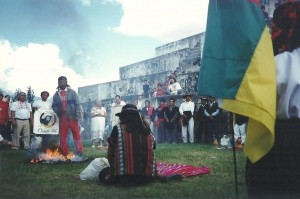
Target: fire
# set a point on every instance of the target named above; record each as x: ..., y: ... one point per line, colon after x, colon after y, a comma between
x: 51, y: 156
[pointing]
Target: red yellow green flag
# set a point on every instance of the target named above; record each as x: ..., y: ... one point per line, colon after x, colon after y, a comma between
x: 238, y: 67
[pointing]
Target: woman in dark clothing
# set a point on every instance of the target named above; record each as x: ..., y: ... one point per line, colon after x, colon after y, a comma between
x: 130, y: 151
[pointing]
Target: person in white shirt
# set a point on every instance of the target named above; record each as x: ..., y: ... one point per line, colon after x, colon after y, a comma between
x: 116, y: 107
x: 43, y: 103
x: 186, y: 110
x: 98, y: 114
x: 140, y: 102
x: 21, y: 113
x: 174, y: 87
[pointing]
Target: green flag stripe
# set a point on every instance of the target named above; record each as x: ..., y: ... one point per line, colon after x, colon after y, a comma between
x: 233, y: 30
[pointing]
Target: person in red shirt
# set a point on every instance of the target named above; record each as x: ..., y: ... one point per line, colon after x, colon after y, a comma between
x: 159, y: 92
x: 3, y: 118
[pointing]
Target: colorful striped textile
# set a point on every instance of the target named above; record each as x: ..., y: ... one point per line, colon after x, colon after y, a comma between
x: 164, y: 169
x: 131, y: 153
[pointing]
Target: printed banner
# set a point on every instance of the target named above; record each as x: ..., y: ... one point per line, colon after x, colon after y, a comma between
x: 45, y: 122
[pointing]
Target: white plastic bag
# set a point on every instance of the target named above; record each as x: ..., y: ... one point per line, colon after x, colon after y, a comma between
x: 91, y: 172
x: 224, y: 141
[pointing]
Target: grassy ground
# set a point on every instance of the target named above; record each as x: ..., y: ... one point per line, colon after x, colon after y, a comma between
x: 20, y: 179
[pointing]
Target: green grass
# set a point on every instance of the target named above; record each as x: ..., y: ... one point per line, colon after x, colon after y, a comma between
x: 20, y: 179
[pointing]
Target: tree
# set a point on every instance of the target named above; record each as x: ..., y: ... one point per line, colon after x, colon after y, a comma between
x: 30, y: 94
x: 16, y: 94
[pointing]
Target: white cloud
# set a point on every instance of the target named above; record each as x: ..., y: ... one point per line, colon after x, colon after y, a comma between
x: 86, y: 2
x: 35, y: 65
x: 167, y: 20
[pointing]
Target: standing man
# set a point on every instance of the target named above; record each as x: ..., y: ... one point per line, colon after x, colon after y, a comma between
x: 3, y: 118
x: 172, y: 118
x: 160, y: 122
x: 148, y: 114
x: 146, y: 88
x: 212, y: 112
x: 21, y: 115
x: 186, y: 110
x: 202, y: 127
x: 240, y: 124
x: 140, y: 102
x: 151, y: 88
x: 43, y: 103
x: 116, y: 107
x: 66, y: 106
x: 41, y: 106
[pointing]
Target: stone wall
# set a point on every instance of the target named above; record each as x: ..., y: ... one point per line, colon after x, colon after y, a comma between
x: 186, y: 43
x: 176, y: 56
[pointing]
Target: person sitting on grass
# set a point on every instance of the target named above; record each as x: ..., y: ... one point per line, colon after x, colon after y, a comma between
x: 131, y: 151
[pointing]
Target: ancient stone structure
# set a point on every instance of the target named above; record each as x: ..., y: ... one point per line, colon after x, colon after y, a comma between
x: 179, y: 56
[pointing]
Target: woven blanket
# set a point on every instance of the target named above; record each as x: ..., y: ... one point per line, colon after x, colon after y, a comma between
x: 165, y: 169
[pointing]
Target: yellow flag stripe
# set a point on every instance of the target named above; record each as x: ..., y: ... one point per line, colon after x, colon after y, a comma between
x: 256, y: 98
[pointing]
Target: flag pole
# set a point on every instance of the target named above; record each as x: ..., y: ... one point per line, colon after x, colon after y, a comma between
x: 231, y: 131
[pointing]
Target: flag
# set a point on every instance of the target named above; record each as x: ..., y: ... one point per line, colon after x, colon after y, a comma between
x: 238, y: 67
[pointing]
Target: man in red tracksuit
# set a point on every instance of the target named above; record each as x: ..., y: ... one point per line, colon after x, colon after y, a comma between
x: 66, y: 106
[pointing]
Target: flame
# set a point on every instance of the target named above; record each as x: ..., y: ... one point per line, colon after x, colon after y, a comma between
x: 52, y: 156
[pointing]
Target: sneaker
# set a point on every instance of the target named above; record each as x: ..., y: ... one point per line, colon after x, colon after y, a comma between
x: 83, y: 157
x: 93, y: 146
x: 14, y: 148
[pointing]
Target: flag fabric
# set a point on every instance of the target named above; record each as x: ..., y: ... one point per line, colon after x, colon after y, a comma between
x: 238, y: 67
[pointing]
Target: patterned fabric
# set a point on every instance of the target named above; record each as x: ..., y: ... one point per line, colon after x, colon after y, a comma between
x: 131, y: 153
x: 164, y: 169
x: 286, y: 27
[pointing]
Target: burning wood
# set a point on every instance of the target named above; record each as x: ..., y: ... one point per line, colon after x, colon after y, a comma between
x: 55, y: 156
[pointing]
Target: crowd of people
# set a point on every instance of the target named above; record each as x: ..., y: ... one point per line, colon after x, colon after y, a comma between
x: 170, y: 87
x: 65, y: 104
x: 169, y: 123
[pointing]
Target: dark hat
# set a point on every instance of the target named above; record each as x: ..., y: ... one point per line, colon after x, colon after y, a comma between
x: 128, y: 108
x: 204, y: 98
x: 62, y: 78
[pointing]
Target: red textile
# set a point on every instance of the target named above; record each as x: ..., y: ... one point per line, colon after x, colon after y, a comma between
x: 63, y: 95
x: 3, y: 112
x: 164, y: 169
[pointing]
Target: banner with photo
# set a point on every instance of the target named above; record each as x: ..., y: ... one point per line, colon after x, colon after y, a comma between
x: 45, y: 122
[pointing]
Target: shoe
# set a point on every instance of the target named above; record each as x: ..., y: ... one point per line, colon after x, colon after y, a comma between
x: 93, y: 146
x: 83, y: 157
x: 174, y: 177
x: 14, y: 148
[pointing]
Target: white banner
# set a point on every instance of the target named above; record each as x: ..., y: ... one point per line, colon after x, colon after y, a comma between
x: 45, y: 122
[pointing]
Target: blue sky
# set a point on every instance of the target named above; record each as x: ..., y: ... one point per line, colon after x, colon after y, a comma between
x: 86, y: 40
